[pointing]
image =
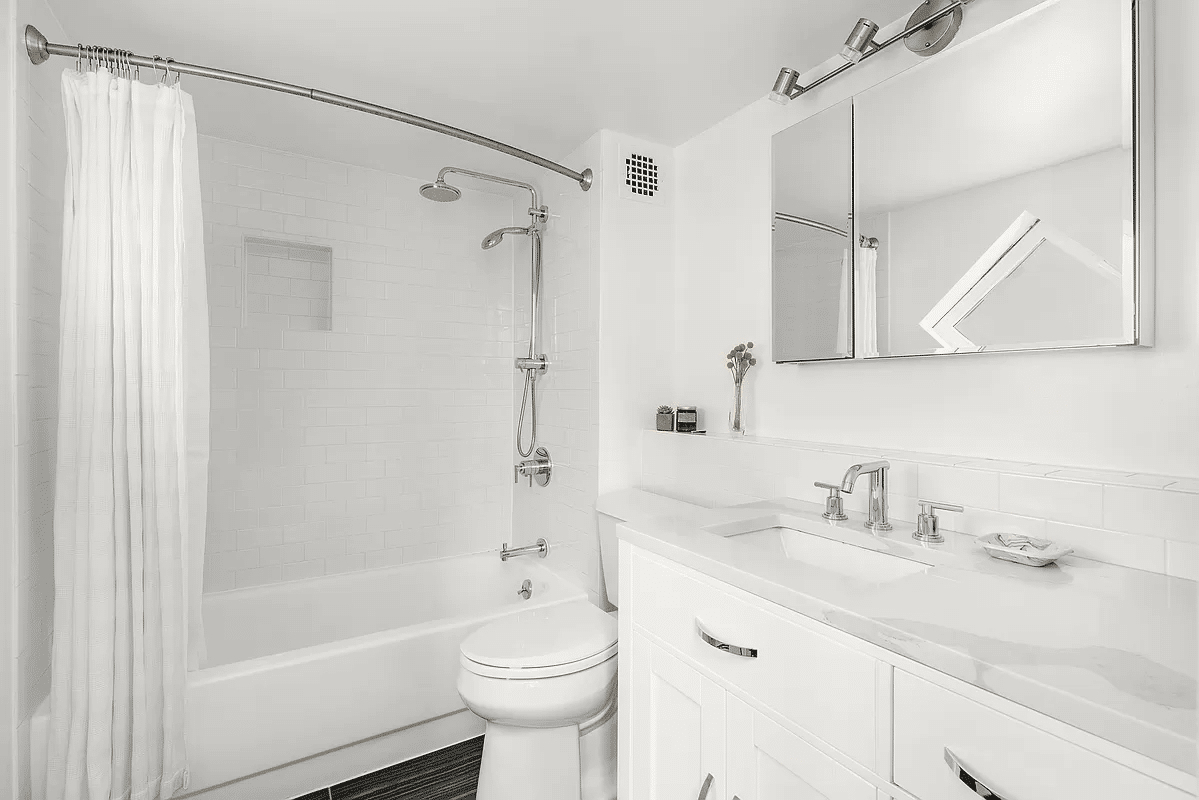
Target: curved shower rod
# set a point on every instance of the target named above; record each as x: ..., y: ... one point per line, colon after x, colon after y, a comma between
x: 40, y: 50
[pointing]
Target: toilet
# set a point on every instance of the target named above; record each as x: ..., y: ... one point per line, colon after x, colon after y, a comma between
x: 545, y: 683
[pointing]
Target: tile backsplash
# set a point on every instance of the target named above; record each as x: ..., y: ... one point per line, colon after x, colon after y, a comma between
x: 1137, y: 520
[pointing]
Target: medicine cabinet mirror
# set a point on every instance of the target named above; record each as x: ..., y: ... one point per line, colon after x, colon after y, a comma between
x: 812, y: 261
x: 1001, y: 199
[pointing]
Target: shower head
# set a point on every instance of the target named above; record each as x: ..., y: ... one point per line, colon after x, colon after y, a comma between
x: 495, y: 237
x: 440, y: 192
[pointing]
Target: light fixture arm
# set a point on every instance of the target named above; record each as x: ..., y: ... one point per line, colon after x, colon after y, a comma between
x: 787, y: 86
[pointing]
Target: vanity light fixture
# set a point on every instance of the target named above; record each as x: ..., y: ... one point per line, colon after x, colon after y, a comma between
x: 929, y: 30
x: 786, y: 86
x: 860, y: 41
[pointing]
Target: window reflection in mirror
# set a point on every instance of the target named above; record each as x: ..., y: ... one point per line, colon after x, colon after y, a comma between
x: 998, y: 179
x: 812, y: 292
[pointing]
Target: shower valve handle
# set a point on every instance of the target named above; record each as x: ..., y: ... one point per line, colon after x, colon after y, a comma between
x: 539, y: 467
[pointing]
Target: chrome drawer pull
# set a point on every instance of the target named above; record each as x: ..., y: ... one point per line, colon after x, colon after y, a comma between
x: 744, y: 652
x: 972, y: 783
x: 707, y: 787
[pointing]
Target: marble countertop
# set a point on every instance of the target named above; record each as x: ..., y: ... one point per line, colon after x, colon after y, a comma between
x: 1108, y: 650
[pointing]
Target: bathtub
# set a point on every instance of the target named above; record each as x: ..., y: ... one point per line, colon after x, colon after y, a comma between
x: 306, y: 667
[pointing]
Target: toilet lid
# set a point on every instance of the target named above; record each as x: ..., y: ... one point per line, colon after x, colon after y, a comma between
x: 543, y: 637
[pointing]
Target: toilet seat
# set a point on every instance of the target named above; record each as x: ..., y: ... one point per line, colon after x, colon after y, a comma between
x: 546, y: 642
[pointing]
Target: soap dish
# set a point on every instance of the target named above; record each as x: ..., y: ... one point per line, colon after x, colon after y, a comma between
x: 1022, y: 549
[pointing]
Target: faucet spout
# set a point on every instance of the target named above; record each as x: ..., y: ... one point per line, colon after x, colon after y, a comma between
x: 876, y: 517
x: 852, y: 474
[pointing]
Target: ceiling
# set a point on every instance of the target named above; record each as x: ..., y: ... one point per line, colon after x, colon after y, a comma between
x: 542, y: 75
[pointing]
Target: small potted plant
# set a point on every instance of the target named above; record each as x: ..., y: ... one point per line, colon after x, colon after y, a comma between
x: 665, y: 418
x: 740, y: 359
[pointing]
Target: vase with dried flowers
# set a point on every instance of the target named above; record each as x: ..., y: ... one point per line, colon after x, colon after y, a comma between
x: 740, y: 359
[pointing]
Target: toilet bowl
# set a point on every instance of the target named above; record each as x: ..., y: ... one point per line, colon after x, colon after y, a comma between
x: 545, y: 682
x: 540, y: 680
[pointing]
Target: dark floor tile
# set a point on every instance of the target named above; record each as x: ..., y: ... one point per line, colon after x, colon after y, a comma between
x: 448, y: 774
x: 319, y: 794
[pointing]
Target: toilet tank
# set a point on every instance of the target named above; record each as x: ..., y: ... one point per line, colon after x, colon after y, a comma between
x: 628, y: 505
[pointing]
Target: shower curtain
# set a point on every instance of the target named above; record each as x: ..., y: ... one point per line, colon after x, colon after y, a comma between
x: 131, y: 477
x: 842, y: 344
x: 867, y: 311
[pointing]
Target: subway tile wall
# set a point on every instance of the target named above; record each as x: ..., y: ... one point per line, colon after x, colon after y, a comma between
x: 1136, y: 520
x: 386, y: 438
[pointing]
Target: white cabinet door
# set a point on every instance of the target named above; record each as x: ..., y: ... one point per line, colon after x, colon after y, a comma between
x: 768, y: 762
x: 677, y: 732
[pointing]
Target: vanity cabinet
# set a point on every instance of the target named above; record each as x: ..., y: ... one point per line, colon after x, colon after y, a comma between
x: 776, y: 706
x: 687, y: 731
x: 677, y: 738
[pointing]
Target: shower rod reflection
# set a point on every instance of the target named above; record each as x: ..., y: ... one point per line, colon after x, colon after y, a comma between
x: 40, y: 50
x: 864, y: 241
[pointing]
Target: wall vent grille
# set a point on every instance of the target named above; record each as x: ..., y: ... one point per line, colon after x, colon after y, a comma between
x: 641, y: 175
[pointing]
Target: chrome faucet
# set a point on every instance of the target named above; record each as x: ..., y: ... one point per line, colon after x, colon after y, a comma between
x: 876, y: 517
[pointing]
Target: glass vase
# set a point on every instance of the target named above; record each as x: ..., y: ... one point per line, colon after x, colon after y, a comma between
x: 736, y: 425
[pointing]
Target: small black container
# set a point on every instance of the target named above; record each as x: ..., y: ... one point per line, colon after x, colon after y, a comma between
x: 686, y: 419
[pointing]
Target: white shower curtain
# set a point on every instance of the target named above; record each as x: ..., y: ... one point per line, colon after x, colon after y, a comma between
x: 842, y: 345
x: 867, y: 305
x: 131, y: 479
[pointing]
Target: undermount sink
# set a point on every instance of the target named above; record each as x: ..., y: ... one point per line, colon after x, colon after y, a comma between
x: 872, y: 560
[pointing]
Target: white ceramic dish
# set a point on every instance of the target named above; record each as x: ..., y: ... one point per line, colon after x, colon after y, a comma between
x: 1022, y: 549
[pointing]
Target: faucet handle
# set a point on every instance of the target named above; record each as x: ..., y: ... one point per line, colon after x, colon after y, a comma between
x: 834, y: 507
x: 928, y: 527
x: 932, y: 506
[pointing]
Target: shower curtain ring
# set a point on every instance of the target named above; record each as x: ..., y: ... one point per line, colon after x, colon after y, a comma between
x: 171, y: 61
x: 79, y: 57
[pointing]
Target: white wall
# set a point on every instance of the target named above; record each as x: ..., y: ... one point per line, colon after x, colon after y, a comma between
x: 40, y: 165
x: 384, y: 439
x: 1130, y: 409
x: 10, y: 215
x: 636, y: 310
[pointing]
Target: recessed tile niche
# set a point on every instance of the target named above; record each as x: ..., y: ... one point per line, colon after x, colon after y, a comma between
x: 288, y: 285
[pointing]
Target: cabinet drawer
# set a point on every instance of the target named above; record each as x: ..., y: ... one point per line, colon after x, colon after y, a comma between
x: 1013, y: 759
x: 821, y: 685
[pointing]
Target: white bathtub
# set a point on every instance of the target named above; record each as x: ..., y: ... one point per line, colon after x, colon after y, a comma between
x: 301, y: 668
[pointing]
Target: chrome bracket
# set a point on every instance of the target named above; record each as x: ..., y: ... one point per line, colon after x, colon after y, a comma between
x: 538, y: 362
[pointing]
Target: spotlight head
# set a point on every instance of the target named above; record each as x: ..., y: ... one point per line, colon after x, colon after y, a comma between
x: 860, y: 39
x: 785, y: 86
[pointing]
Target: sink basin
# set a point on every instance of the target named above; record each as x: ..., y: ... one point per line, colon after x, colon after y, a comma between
x: 842, y: 551
x: 829, y: 554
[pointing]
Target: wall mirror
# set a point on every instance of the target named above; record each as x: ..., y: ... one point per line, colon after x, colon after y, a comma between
x: 813, y: 175
x: 1001, y: 189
